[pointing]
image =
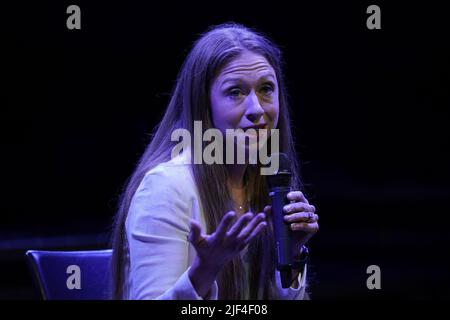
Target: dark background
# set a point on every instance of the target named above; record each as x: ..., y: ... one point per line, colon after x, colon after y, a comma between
x: 371, y: 111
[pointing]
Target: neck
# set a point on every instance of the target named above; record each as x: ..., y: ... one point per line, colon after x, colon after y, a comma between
x: 236, y: 175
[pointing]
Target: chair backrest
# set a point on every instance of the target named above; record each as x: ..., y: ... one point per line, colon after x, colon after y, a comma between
x: 72, y: 275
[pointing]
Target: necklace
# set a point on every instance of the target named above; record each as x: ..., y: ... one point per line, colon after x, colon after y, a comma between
x: 241, y: 207
x: 240, y: 210
x: 237, y: 193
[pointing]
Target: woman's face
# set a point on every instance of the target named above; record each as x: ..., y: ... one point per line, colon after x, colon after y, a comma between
x: 245, y: 94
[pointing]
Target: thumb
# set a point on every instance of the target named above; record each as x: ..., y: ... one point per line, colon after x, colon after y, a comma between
x: 195, y: 233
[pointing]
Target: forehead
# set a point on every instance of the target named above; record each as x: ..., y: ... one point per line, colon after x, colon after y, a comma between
x: 247, y: 64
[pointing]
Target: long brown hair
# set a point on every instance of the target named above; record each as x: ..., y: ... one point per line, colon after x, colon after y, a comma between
x: 190, y: 101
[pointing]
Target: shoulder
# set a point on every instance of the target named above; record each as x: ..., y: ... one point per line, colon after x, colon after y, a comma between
x: 167, y: 190
x: 174, y: 175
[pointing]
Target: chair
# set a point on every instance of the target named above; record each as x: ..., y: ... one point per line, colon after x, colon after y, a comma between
x: 72, y: 275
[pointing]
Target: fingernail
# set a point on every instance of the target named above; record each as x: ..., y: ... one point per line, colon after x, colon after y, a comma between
x: 287, y: 208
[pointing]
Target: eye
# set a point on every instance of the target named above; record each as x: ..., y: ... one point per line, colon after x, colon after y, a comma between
x: 267, y: 89
x: 235, y: 93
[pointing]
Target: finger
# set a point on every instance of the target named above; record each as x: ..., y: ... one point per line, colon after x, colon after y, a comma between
x: 305, y: 227
x: 195, y: 235
x: 267, y: 210
x: 301, y: 217
x: 239, y: 224
x: 297, y: 207
x: 225, y: 223
x: 251, y: 225
x: 259, y: 228
x: 297, y: 196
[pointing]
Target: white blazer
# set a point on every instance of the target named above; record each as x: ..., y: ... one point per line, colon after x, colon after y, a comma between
x: 157, y: 227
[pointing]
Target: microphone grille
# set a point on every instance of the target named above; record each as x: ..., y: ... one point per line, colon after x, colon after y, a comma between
x: 282, y: 176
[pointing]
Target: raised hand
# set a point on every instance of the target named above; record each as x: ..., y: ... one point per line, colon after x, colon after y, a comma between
x: 220, y: 247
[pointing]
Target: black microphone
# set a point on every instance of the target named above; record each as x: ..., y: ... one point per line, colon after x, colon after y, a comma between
x: 279, y: 183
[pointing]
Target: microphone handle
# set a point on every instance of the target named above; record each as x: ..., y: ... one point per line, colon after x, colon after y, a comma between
x: 282, y: 234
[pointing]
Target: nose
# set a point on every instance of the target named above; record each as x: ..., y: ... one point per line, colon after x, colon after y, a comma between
x: 254, y: 111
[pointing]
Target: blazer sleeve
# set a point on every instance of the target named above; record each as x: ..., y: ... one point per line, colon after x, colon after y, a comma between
x: 157, y: 228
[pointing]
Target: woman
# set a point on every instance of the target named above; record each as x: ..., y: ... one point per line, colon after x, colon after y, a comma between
x: 203, y: 231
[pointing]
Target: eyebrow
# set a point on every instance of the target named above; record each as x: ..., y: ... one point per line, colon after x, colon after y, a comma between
x: 237, y: 79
